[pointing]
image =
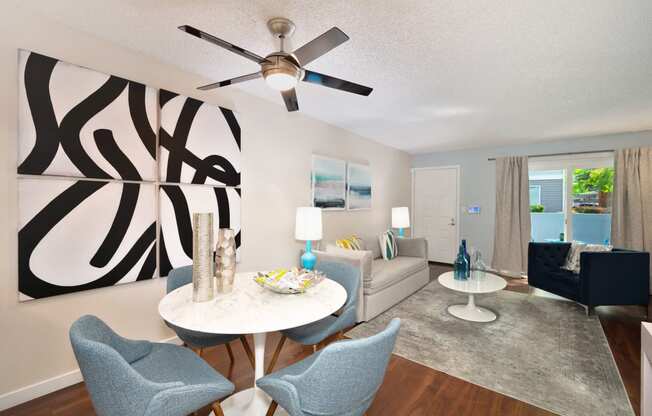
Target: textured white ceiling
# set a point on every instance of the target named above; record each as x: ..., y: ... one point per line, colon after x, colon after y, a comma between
x: 446, y: 74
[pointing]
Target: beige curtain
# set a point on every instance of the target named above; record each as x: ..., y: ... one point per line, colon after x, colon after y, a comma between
x: 512, y: 232
x: 631, y: 222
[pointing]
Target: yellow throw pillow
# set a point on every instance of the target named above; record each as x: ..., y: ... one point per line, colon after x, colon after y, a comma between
x: 351, y: 243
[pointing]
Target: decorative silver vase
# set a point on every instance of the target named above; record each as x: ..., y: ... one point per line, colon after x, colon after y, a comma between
x: 203, y: 280
x: 225, y: 260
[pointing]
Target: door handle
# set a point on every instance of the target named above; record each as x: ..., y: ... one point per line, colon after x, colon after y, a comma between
x: 452, y: 223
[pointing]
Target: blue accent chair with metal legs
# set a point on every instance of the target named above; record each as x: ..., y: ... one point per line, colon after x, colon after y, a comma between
x: 142, y: 378
x: 316, y: 332
x: 340, y: 380
x: 199, y: 340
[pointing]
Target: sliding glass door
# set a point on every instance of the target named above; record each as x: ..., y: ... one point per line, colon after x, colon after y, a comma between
x: 590, y: 216
x: 570, y: 198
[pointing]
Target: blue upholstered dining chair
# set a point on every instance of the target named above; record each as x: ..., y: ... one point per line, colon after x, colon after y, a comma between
x: 340, y: 380
x: 316, y: 332
x: 199, y: 340
x: 142, y: 378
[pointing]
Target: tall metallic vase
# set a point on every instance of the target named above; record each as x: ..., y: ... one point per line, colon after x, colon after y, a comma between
x: 225, y: 260
x: 203, y: 278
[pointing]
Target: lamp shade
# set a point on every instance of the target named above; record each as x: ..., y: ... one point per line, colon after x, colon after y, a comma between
x: 400, y: 217
x: 308, y: 225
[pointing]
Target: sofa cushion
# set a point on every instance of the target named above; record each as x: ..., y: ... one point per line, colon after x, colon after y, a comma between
x: 564, y: 282
x: 351, y: 243
x: 373, y: 245
x: 367, y: 243
x: 573, y: 258
x: 388, y: 245
x: 385, y: 273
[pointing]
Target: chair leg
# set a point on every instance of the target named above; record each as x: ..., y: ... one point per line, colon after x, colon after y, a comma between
x: 272, y: 408
x: 250, y: 355
x: 590, y: 311
x: 230, y: 352
x: 276, y: 354
x: 200, y: 352
x: 314, y: 348
x: 217, y: 409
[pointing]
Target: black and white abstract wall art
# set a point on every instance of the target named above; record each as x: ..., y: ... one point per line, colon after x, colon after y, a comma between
x: 77, y: 122
x: 78, y: 234
x: 200, y: 143
x: 96, y: 206
x: 178, y: 202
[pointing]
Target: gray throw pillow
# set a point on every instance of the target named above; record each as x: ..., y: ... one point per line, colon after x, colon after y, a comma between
x: 573, y: 258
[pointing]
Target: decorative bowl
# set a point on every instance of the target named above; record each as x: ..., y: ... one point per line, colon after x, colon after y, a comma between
x: 291, y: 281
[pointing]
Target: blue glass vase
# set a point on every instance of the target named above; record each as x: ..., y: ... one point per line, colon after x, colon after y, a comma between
x: 467, y: 256
x: 461, y: 269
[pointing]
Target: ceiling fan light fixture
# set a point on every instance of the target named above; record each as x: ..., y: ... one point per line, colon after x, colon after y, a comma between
x: 281, y: 81
x: 280, y: 72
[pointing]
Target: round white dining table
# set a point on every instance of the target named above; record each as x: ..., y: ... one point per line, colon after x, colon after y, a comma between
x: 251, y: 309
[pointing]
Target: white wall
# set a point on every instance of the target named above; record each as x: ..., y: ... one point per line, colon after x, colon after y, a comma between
x: 277, y: 148
x: 478, y: 176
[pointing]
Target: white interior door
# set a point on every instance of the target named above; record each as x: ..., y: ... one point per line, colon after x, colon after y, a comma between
x: 435, y: 205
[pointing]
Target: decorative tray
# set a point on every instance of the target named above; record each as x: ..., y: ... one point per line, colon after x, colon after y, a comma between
x: 289, y: 281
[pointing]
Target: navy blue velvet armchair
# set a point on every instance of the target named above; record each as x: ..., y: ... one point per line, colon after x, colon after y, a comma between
x: 619, y: 277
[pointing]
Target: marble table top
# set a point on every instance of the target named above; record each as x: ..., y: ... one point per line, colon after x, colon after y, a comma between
x: 251, y: 309
x: 488, y: 283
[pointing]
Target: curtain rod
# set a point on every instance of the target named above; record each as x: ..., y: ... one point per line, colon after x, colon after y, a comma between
x: 565, y: 154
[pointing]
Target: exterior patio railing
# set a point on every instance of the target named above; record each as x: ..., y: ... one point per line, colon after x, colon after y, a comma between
x: 587, y: 228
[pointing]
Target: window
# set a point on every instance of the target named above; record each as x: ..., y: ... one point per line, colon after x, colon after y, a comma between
x: 547, y: 210
x: 591, y: 204
x: 535, y: 194
x: 573, y: 199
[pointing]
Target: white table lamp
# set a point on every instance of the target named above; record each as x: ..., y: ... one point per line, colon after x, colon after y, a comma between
x: 308, y: 228
x: 400, y: 219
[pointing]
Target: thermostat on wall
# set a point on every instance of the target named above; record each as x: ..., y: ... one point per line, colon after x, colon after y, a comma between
x: 473, y: 209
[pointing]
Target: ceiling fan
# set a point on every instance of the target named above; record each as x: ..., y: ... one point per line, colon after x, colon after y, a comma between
x: 282, y: 70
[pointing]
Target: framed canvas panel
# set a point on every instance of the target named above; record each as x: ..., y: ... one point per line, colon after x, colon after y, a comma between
x: 77, y: 235
x: 76, y: 122
x: 200, y: 143
x: 358, y: 185
x: 328, y: 183
x: 178, y: 203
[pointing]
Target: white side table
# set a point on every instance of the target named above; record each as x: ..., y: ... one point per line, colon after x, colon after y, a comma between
x: 489, y: 283
x: 250, y: 309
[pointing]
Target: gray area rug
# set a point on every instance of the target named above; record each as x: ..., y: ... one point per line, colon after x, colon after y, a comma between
x: 541, y: 351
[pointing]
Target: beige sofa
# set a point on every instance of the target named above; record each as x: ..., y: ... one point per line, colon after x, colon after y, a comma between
x: 385, y: 282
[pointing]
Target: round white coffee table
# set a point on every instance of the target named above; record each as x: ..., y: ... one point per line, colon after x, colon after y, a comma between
x: 488, y: 283
x: 250, y: 309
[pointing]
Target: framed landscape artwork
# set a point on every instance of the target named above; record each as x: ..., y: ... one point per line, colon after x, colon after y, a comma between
x: 358, y: 187
x: 328, y: 183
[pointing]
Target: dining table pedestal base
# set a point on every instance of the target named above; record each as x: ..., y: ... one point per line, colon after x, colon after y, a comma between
x: 252, y: 401
x: 244, y: 403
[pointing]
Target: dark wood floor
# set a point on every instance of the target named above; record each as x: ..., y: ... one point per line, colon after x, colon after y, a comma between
x: 409, y: 388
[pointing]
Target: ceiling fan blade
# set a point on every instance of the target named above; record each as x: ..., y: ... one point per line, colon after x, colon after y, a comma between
x: 320, y: 45
x: 235, y: 80
x: 332, y: 82
x: 290, y: 98
x: 224, y: 44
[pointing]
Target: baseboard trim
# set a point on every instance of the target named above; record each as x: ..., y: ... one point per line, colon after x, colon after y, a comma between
x: 50, y: 385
